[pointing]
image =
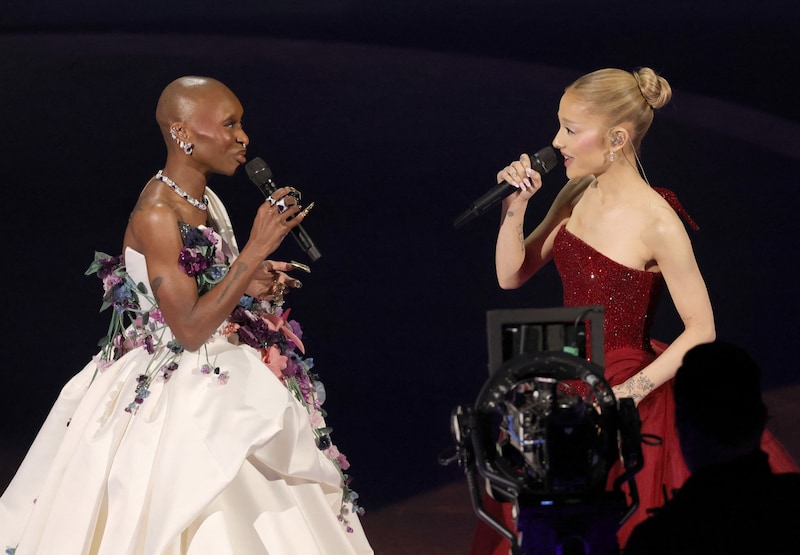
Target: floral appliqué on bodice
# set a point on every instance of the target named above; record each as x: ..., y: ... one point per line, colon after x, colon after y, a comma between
x: 137, y: 323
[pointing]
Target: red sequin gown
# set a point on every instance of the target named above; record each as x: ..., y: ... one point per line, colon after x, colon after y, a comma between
x: 629, y: 297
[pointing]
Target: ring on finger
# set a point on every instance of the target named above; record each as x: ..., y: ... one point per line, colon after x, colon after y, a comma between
x: 282, y: 206
x: 277, y: 299
x: 295, y: 193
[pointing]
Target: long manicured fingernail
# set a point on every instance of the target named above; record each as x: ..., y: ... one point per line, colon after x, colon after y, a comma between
x: 307, y: 209
x: 300, y: 266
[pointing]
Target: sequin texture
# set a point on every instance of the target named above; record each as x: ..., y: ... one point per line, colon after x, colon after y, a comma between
x: 629, y: 296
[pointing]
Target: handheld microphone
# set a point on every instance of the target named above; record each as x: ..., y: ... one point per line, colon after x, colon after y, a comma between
x: 543, y: 161
x: 260, y: 174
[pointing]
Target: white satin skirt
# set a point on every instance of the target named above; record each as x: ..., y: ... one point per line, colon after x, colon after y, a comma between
x: 202, y: 467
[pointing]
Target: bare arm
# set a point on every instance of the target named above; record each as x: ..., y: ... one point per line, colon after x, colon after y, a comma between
x: 154, y: 232
x: 517, y: 257
x: 673, y: 251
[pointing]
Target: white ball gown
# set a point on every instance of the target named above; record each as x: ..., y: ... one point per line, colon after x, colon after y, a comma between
x: 154, y: 450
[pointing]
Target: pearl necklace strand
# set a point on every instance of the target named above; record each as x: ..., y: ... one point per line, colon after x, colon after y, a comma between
x: 180, y: 192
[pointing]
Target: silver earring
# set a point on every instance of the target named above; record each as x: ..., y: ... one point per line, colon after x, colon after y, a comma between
x: 187, y: 147
x: 611, y: 156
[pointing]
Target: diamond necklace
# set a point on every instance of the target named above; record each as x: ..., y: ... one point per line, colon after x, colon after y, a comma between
x: 180, y: 192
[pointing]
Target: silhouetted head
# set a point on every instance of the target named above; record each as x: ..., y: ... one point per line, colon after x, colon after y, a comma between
x: 719, y: 411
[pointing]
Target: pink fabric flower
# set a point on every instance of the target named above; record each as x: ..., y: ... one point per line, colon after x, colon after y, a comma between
x: 316, y: 419
x: 100, y: 362
x: 110, y: 281
x: 156, y: 315
x: 229, y: 329
x: 274, y: 360
x: 277, y: 322
x: 333, y: 453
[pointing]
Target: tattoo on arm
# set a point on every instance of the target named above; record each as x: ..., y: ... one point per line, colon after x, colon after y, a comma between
x: 637, y: 387
x: 521, y: 236
x: 157, y: 281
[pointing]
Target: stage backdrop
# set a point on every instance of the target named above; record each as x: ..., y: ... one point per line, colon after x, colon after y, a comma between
x: 391, y: 142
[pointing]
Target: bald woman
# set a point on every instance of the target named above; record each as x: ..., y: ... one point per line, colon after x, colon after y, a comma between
x: 197, y: 428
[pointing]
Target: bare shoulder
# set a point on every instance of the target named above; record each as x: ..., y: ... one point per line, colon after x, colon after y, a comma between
x: 663, y: 225
x: 151, y: 223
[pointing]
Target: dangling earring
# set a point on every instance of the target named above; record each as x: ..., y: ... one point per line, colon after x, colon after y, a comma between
x: 611, y: 156
x: 187, y: 147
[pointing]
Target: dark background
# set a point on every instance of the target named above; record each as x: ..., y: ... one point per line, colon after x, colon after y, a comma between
x: 391, y: 116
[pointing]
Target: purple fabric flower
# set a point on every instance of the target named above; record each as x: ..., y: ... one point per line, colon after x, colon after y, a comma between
x: 292, y: 368
x: 108, y: 265
x: 210, y: 236
x: 148, y: 344
x: 294, y: 325
x: 156, y: 315
x: 194, y: 237
x: 192, y: 261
